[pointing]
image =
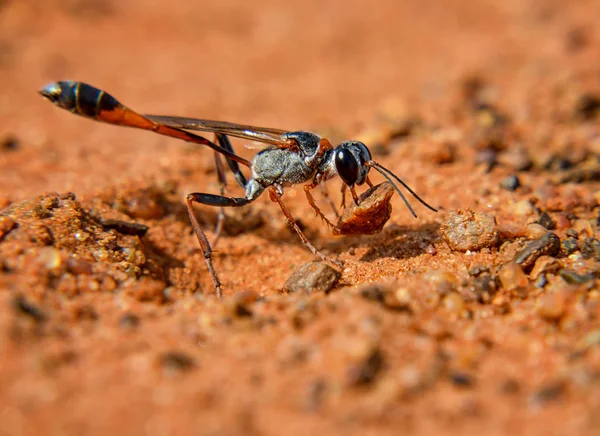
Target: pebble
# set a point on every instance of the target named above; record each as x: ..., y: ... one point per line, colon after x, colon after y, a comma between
x: 516, y: 158
x: 125, y: 227
x: 535, y: 231
x: 546, y: 221
x: 465, y: 230
x: 145, y: 208
x: 6, y: 225
x: 454, y: 303
x: 51, y: 258
x: 129, y: 321
x: 312, y: 277
x: 175, y: 362
x: 371, y: 213
x: 513, y: 278
x: 544, y: 265
x: 551, y: 307
x: 510, y: 183
x: 523, y: 208
x: 548, y: 244
x: 569, y: 246
x: 461, y: 379
x: 79, y: 266
x: 574, y: 278
x: 583, y: 226
x: 366, y: 370
x: 443, y: 282
x: 24, y: 307
x: 587, y: 107
x: 590, y: 249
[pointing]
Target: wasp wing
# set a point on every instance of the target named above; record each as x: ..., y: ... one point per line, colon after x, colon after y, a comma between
x: 266, y: 135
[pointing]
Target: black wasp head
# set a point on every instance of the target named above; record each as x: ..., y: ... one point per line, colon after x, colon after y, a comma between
x: 351, y: 159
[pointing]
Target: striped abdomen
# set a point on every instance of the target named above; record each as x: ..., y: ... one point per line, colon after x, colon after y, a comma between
x: 80, y: 98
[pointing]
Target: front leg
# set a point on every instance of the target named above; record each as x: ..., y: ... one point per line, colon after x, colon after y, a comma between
x: 275, y: 196
x: 311, y: 201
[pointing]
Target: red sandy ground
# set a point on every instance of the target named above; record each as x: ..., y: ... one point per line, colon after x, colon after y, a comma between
x: 131, y: 340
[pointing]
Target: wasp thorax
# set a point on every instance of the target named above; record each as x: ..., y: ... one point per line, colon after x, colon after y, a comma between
x: 351, y: 159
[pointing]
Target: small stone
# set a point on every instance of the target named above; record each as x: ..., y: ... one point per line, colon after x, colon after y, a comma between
x: 548, y: 393
x: 574, y: 278
x: 510, y: 183
x: 30, y: 310
x: 461, y: 379
x: 465, y: 230
x: 312, y: 277
x: 562, y: 222
x: 544, y: 265
x: 546, y: 221
x: 145, y: 208
x: 442, y: 281
x: 366, y: 370
x: 79, y: 266
x: 548, y: 244
x: 129, y: 321
x: 583, y: 226
x: 535, y: 231
x: 516, y: 158
x: 590, y: 249
x: 513, y: 278
x: 6, y: 225
x: 51, y: 259
x: 551, y: 307
x: 10, y: 143
x: 569, y: 246
x: 587, y: 107
x: 371, y: 213
x: 454, y: 303
x: 175, y: 362
x: 523, y: 208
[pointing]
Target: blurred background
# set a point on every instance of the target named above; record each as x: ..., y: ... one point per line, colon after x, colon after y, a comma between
x: 307, y: 64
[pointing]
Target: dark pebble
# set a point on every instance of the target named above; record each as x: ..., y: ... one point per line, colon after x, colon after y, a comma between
x: 10, y: 143
x: 572, y: 233
x: 590, y: 248
x: 587, y: 107
x: 548, y: 393
x: 510, y: 183
x: 580, y: 175
x: 129, y: 321
x: 575, y: 278
x: 546, y: 245
x: 546, y: 221
x: 461, y: 379
x: 312, y: 277
x: 569, y: 246
x: 125, y: 227
x: 365, y: 372
x: 174, y: 362
x: 30, y: 310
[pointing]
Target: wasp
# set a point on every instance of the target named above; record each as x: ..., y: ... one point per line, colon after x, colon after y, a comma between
x: 290, y: 158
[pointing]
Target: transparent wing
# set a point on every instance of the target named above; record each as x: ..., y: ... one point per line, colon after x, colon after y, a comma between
x: 267, y: 135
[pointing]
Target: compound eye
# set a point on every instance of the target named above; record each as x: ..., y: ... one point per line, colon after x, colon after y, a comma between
x: 346, y: 166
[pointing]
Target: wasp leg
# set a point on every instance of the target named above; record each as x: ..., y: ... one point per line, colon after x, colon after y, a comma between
x: 311, y: 201
x: 224, y: 143
x: 325, y: 193
x: 274, y: 196
x: 233, y: 165
x: 210, y: 200
x: 223, y: 189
